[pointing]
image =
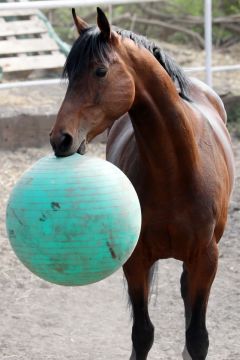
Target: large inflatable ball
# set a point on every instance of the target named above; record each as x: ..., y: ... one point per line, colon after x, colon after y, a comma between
x: 73, y: 220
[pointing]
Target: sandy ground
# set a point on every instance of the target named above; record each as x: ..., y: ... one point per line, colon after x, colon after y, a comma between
x: 41, y: 321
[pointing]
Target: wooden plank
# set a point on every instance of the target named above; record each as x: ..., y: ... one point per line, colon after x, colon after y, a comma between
x: 18, y: 46
x: 14, y: 13
x: 23, y: 27
x: 32, y: 63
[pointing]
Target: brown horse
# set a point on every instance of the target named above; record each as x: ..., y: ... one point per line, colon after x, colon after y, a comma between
x: 168, y: 134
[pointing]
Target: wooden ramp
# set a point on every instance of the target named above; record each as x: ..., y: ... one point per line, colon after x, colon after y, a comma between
x: 26, y: 45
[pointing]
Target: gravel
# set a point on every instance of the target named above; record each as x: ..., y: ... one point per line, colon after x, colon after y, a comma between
x: 42, y: 321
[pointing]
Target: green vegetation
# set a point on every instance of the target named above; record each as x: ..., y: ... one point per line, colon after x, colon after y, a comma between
x: 172, y: 21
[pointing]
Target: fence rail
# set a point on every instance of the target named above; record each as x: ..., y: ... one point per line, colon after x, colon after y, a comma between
x: 65, y: 4
x: 45, y: 82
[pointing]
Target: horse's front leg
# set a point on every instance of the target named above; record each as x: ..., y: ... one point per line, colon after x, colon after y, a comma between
x: 137, y: 275
x: 196, y: 282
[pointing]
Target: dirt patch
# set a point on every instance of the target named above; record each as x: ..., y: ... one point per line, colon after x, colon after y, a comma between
x: 41, y: 321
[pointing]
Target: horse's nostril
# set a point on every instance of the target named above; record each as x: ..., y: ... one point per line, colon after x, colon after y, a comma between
x: 61, y: 143
x: 66, y: 142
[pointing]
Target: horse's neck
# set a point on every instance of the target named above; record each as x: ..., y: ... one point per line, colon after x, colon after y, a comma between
x: 162, y: 128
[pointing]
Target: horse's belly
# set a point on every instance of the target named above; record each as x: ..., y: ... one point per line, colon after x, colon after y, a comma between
x: 175, y: 241
x: 176, y: 230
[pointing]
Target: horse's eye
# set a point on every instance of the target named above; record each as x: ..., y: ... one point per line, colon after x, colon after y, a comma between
x: 101, y: 72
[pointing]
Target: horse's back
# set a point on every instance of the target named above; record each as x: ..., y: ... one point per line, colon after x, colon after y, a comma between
x: 205, y: 96
x: 213, y: 119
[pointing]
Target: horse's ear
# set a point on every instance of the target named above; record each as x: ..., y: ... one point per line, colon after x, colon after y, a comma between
x: 103, y: 24
x: 80, y: 23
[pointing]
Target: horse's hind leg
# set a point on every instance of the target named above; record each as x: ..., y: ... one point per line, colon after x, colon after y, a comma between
x: 137, y: 275
x: 187, y: 307
x: 196, y: 283
x: 184, y: 293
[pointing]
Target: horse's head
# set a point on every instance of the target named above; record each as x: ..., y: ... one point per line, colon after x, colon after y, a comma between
x: 100, y: 89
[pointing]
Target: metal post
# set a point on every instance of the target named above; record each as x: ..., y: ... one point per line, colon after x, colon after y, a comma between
x: 110, y: 13
x: 208, y: 40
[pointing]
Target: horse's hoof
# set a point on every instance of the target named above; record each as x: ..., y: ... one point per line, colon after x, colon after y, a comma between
x: 185, y: 354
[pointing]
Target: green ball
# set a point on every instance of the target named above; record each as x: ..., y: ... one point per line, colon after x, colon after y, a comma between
x: 73, y: 220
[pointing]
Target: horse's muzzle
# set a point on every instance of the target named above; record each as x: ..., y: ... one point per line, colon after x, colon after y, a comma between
x: 62, y: 144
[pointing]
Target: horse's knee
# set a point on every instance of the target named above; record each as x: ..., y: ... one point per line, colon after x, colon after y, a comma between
x: 197, y: 342
x: 142, y: 338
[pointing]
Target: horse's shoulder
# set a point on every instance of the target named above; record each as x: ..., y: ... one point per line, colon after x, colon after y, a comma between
x: 120, y: 125
x: 120, y: 135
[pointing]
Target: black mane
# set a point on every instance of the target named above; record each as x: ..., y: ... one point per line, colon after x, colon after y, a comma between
x: 91, y: 45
